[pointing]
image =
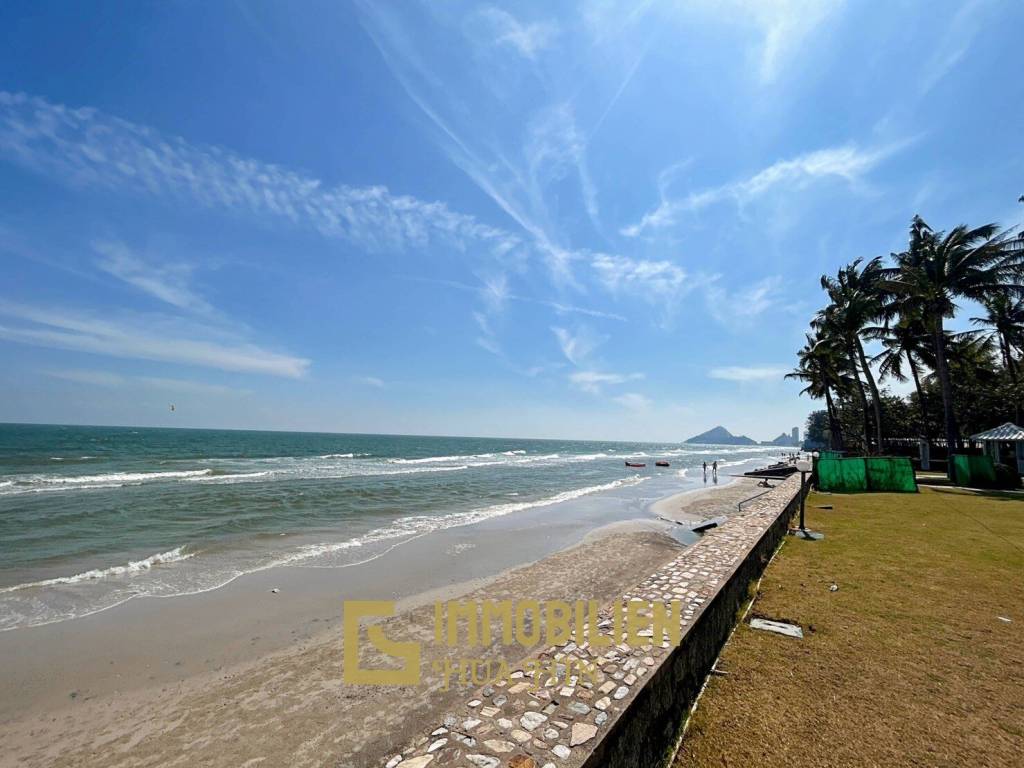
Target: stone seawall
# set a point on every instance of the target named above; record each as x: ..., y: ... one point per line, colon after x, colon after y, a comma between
x: 630, y: 714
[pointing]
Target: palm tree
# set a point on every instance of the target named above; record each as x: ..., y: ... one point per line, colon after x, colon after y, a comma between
x: 1004, y: 315
x: 904, y: 339
x: 822, y: 368
x: 856, y: 300
x: 936, y: 269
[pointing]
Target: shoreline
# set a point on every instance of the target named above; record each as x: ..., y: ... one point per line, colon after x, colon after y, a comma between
x: 120, y: 670
x: 696, y: 504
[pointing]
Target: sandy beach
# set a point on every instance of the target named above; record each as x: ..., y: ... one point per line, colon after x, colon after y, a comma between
x: 702, y: 503
x: 244, y: 675
x: 290, y: 707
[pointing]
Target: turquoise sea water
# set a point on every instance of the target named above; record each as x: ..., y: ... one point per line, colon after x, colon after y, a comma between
x: 92, y: 516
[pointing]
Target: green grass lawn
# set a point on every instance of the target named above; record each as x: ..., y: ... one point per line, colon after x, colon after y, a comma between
x: 908, y: 663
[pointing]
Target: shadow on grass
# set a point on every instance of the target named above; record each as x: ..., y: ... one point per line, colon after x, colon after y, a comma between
x: 981, y: 494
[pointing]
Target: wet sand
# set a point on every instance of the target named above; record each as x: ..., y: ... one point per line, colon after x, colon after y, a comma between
x: 702, y: 503
x: 246, y: 676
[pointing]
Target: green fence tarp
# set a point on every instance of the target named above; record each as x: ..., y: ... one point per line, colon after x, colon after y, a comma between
x: 892, y: 474
x: 880, y: 474
x: 831, y: 454
x: 974, y: 471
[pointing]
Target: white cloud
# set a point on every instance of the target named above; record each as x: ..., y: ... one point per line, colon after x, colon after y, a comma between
x: 738, y: 307
x: 594, y: 381
x: 487, y: 338
x: 784, y: 27
x: 84, y: 147
x: 372, y: 381
x: 655, y: 281
x: 131, y: 339
x: 748, y: 373
x: 168, y: 282
x: 845, y: 163
x: 578, y: 346
x: 495, y: 292
x: 952, y: 46
x: 526, y: 39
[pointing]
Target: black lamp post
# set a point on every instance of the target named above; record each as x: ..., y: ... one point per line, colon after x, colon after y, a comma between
x: 805, y: 467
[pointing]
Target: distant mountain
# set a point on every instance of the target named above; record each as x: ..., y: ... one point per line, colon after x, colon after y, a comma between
x: 785, y: 439
x: 721, y: 436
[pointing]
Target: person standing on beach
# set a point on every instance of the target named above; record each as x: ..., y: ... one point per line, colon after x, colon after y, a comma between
x: 705, y: 465
x: 714, y: 468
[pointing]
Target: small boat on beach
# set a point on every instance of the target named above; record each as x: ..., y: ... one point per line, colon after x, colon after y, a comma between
x: 782, y: 469
x: 635, y: 464
x: 661, y: 464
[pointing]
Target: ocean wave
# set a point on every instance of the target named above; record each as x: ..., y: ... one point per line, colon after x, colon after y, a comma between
x: 119, y: 477
x: 136, y: 566
x: 420, y: 524
x: 158, y: 575
x: 438, y: 459
x: 49, y: 483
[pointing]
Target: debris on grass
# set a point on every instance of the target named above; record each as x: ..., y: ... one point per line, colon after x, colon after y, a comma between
x: 779, y: 627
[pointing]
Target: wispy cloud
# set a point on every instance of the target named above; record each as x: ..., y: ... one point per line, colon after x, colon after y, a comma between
x: 593, y: 382
x: 846, y: 163
x: 371, y: 381
x: 653, y: 280
x: 520, y: 176
x: 738, y: 306
x: 577, y: 347
x: 132, y: 339
x: 169, y: 282
x: 560, y: 307
x: 784, y: 27
x: 487, y: 339
x: 527, y: 39
x: 953, y: 44
x: 85, y: 147
x: 748, y: 373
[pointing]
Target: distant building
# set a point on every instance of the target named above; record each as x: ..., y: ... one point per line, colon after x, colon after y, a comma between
x: 796, y: 435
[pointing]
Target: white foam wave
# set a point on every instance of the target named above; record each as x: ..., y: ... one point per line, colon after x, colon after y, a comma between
x: 137, y: 566
x: 438, y: 459
x: 120, y: 477
x: 421, y: 524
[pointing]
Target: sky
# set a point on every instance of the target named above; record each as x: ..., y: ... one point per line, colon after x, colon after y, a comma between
x: 593, y: 219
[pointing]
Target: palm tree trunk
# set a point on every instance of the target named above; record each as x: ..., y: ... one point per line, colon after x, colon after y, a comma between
x: 835, y: 429
x: 920, y: 396
x: 875, y: 400
x: 1011, y: 368
x: 863, y: 400
x: 946, y: 385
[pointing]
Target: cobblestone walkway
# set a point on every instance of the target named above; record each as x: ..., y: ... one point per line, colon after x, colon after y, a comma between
x: 556, y: 722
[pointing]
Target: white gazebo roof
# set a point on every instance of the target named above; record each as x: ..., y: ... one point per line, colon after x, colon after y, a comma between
x: 1008, y: 432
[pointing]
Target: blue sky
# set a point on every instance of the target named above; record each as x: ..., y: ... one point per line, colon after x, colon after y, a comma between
x: 592, y: 219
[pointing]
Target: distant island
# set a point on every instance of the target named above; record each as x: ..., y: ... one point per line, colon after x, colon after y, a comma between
x: 721, y: 436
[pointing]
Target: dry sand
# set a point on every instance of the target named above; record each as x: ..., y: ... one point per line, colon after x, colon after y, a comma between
x: 291, y: 707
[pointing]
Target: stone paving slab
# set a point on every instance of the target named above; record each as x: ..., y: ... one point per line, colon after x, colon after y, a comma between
x: 527, y: 723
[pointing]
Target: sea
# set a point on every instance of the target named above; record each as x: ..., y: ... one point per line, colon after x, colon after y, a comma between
x: 93, y: 516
